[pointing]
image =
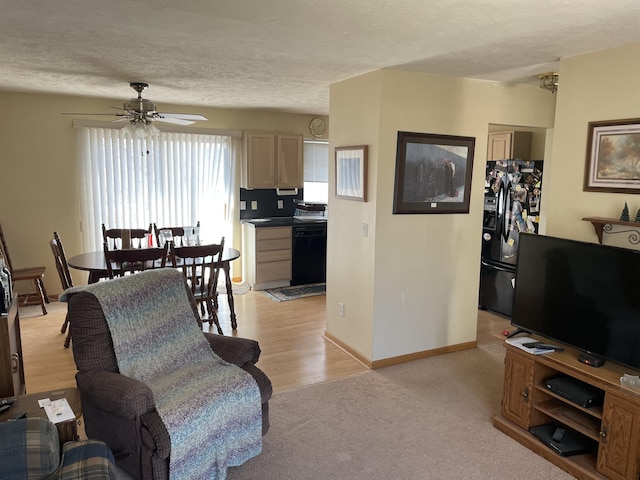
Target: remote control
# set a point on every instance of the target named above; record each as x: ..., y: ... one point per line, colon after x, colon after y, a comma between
x: 4, y: 408
x: 558, y: 434
x: 546, y: 346
x: 18, y: 416
x: 530, y: 344
x: 7, y: 401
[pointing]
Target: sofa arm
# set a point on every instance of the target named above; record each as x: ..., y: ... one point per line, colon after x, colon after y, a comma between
x: 29, y: 448
x: 235, y: 350
x: 115, y: 393
x: 87, y: 459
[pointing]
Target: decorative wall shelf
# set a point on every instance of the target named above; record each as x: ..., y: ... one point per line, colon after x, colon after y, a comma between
x: 605, y: 225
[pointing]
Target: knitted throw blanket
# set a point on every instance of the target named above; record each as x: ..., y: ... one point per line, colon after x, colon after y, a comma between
x: 211, y: 408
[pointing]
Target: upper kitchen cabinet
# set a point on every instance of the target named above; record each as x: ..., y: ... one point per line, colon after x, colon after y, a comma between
x: 504, y: 145
x: 272, y: 160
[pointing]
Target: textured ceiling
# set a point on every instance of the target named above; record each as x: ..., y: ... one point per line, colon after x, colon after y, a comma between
x: 283, y: 54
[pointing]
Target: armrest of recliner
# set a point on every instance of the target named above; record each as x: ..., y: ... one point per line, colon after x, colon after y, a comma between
x: 115, y: 393
x: 235, y: 350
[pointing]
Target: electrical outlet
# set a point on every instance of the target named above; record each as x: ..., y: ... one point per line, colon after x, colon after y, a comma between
x: 341, y: 309
x: 243, y: 205
x: 365, y: 230
x: 254, y: 204
x: 280, y: 204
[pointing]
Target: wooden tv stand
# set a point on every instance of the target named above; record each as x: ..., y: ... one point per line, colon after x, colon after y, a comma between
x: 614, y: 427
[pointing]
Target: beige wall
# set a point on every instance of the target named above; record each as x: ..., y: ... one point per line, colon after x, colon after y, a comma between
x: 412, y: 284
x: 593, y: 87
x: 38, y: 168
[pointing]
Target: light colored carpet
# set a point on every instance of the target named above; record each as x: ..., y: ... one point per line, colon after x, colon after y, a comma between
x: 284, y: 294
x: 427, y: 419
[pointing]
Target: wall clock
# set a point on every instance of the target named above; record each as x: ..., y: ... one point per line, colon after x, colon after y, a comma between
x: 318, y: 127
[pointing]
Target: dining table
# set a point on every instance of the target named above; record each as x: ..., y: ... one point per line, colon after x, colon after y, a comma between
x: 96, y: 265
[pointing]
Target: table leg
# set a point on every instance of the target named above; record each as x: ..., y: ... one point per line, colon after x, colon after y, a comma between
x: 227, y: 279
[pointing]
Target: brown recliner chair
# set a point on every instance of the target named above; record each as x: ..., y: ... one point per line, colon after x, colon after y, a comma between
x: 120, y: 410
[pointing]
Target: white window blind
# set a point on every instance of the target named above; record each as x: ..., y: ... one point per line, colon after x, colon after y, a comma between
x: 173, y: 179
x: 316, y: 171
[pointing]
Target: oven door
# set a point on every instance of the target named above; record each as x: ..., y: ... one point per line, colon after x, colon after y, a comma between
x: 309, y: 254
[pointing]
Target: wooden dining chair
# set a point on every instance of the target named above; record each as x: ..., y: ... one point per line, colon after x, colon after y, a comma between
x: 66, y: 281
x: 123, y: 262
x: 30, y: 274
x: 177, y: 233
x: 126, y: 238
x: 200, y: 264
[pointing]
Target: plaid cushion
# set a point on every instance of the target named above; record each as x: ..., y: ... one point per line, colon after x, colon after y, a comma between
x: 29, y: 448
x: 88, y: 459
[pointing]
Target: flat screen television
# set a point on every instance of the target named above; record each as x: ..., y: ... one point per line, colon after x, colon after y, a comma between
x: 585, y: 295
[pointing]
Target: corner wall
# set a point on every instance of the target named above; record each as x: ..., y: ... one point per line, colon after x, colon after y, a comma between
x: 412, y: 284
x: 593, y: 87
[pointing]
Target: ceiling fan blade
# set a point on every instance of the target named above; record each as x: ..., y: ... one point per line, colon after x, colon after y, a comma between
x: 185, y: 116
x: 85, y: 113
x: 175, y: 121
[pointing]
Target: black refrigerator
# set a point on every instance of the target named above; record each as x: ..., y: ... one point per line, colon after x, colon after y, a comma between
x: 512, y: 197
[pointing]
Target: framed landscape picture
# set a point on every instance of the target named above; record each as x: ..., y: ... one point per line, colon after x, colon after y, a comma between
x: 433, y: 173
x: 613, y: 157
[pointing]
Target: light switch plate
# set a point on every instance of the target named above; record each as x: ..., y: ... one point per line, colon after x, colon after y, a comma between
x: 254, y: 204
x: 243, y: 205
x: 280, y: 204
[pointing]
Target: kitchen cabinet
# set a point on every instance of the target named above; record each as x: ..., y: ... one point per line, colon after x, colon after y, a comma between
x: 11, y: 365
x: 505, y: 145
x: 267, y: 256
x: 613, y: 429
x: 272, y: 160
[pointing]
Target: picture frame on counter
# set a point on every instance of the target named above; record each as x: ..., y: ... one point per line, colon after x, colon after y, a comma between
x: 351, y: 172
x: 433, y: 173
x: 613, y: 148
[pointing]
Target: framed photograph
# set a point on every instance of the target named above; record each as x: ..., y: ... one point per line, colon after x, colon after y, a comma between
x: 433, y: 173
x: 613, y: 157
x: 351, y: 173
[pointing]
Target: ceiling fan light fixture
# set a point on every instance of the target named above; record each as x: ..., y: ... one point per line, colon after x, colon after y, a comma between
x: 549, y: 81
x: 140, y: 129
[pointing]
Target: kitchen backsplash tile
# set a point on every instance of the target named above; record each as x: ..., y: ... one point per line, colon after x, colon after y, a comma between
x: 267, y: 203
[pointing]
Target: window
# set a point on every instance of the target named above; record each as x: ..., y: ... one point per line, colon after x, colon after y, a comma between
x: 173, y: 179
x: 316, y: 171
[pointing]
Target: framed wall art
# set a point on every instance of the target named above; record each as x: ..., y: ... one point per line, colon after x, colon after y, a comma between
x: 351, y: 173
x: 433, y: 173
x: 613, y: 157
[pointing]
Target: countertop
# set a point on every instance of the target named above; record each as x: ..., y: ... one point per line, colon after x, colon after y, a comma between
x: 283, y: 221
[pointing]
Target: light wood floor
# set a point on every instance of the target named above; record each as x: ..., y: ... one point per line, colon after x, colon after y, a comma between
x: 294, y: 353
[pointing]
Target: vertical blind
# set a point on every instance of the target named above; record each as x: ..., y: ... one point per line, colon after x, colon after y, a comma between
x: 172, y: 179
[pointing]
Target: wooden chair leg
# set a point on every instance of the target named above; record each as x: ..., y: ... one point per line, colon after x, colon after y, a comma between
x: 65, y: 325
x: 44, y: 290
x: 41, y: 295
x: 213, y: 316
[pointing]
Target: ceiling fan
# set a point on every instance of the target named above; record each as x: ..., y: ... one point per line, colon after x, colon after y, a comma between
x: 140, y: 111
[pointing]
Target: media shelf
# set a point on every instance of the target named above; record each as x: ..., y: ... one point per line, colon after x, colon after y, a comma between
x: 612, y: 430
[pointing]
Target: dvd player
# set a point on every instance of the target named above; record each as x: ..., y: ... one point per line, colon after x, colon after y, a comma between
x: 575, y: 391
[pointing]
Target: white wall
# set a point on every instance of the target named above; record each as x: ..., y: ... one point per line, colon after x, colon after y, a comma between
x: 412, y: 284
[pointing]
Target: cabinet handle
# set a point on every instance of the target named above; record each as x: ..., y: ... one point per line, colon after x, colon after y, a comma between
x: 525, y: 394
x: 15, y: 363
x: 603, y: 434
